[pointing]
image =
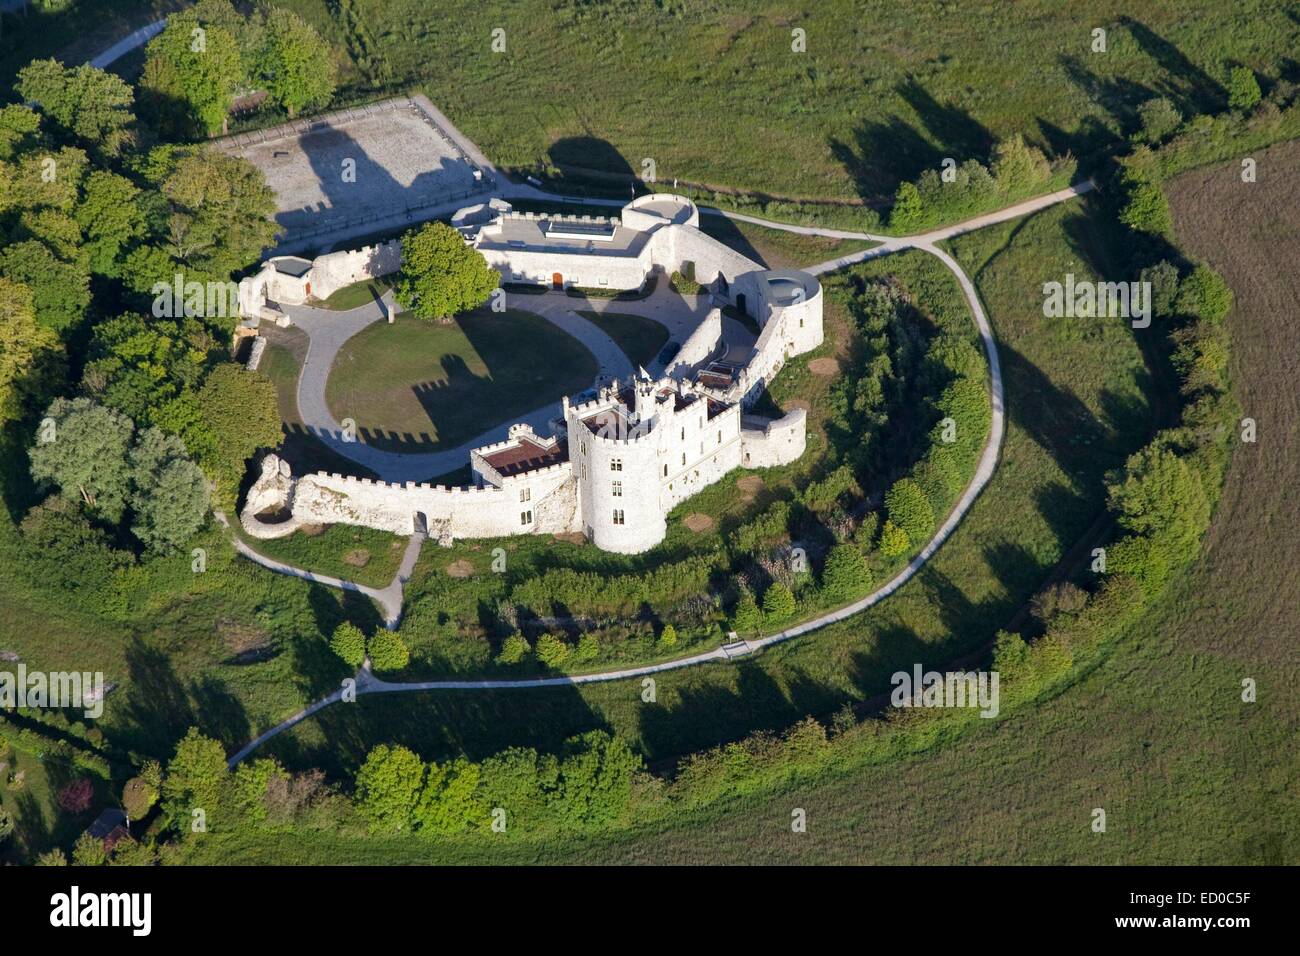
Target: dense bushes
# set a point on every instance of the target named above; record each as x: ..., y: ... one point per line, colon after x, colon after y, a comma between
x: 963, y: 191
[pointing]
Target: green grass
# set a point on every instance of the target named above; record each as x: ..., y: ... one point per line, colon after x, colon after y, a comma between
x: 363, y: 555
x: 639, y: 338
x: 776, y: 248
x: 423, y: 386
x: 357, y: 294
x: 879, y: 95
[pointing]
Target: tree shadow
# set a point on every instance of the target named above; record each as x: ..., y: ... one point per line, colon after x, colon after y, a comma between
x: 1191, y: 88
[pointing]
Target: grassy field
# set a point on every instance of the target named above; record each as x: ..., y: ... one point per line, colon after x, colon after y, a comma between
x: 1076, y: 395
x: 713, y: 93
x: 639, y: 338
x: 352, y: 553
x: 1157, y: 734
x: 423, y: 386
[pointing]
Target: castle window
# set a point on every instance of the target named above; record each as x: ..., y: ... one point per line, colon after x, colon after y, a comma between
x: 719, y: 436
x: 618, y: 516
x: 604, y: 280
x: 683, y: 433
x: 665, y: 471
x: 683, y: 459
x: 616, y: 464
x: 525, y: 517
x: 525, y: 494
x: 618, y: 489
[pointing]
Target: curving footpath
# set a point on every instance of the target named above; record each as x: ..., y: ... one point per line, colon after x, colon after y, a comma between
x: 367, y: 683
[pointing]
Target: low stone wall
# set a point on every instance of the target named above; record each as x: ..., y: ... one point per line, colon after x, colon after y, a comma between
x: 700, y: 346
x: 765, y: 443
x: 335, y: 270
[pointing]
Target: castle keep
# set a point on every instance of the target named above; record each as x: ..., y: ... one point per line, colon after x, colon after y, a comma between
x: 625, y: 453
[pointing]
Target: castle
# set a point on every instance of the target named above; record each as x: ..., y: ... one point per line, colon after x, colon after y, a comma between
x: 623, y: 454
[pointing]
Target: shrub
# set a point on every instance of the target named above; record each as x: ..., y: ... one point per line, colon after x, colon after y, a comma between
x: 138, y: 798
x: 894, y: 540
x: 552, y: 651
x: 845, y: 574
x: 388, y: 652
x: 1205, y: 295
x: 588, y: 648
x: 89, y: 851
x: 779, y: 603
x: 1243, y: 88
x: 908, y: 507
x: 1159, y: 119
x: 514, y: 649
x: 349, y: 643
x: 77, y: 795
x: 745, y: 618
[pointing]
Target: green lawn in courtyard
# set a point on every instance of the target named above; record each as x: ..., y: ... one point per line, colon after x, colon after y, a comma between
x: 639, y: 338
x: 423, y: 386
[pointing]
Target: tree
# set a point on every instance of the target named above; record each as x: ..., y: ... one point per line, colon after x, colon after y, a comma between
x: 388, y: 788
x: 1243, y: 88
x: 668, y: 637
x: 111, y: 218
x: 447, y: 803
x: 240, y: 414
x: 191, y: 75
x: 388, y: 652
x: 745, y: 617
x: 588, y: 648
x: 142, y: 366
x: 295, y: 64
x: 55, y: 857
x: 196, y: 779
x: 1205, y: 295
x: 82, y: 450
x: 169, y: 495
x: 6, y: 825
x: 76, y: 796
x: 89, y: 104
x: 1017, y: 166
x: 251, y: 780
x: 441, y: 275
x: 89, y: 851
x: 31, y: 359
x: 907, y: 212
x: 139, y: 795
x: 893, y: 540
x: 221, y: 209
x: 908, y: 507
x: 349, y: 643
x: 1159, y: 118
x: 845, y: 574
x: 60, y: 289
x: 1163, y: 277
x: 594, y: 783
x: 514, y: 649
x: 778, y: 603
x: 1159, y: 494
x: 1146, y: 209
x: 552, y: 651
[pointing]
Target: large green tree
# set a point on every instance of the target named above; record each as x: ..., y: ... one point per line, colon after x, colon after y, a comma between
x: 191, y: 75
x: 441, y: 275
x: 388, y: 788
x: 294, y: 64
x: 60, y: 289
x: 197, y: 779
x: 81, y: 448
x: 221, y: 208
x: 169, y: 497
x: 239, y: 414
x: 90, y: 105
